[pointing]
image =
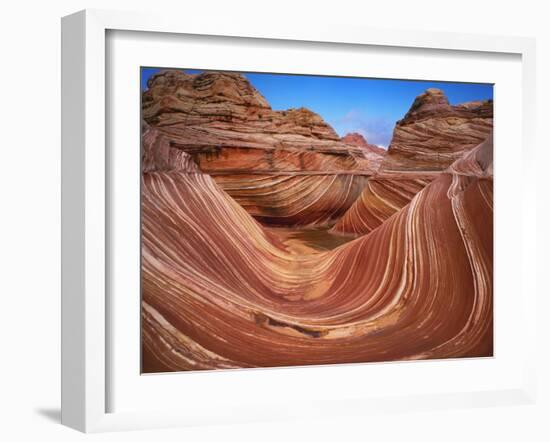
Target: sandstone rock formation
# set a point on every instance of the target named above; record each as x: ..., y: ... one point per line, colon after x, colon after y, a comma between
x: 285, y: 167
x: 433, y: 133
x: 425, y: 142
x: 356, y: 139
x: 158, y: 154
x: 218, y: 291
x: 372, y: 152
x: 382, y: 197
x: 222, y: 290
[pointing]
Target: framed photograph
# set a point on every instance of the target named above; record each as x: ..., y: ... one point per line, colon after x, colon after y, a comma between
x: 276, y: 223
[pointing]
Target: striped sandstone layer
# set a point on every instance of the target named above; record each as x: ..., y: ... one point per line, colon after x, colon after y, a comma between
x: 284, y: 167
x: 433, y: 133
x: 374, y: 153
x: 425, y: 142
x: 382, y: 197
x: 220, y: 291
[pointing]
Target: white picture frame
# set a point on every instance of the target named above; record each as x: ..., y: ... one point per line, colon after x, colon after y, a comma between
x: 85, y: 208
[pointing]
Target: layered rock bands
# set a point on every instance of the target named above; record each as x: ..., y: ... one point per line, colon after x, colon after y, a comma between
x: 431, y: 136
x: 219, y: 291
x: 285, y: 167
x: 230, y: 277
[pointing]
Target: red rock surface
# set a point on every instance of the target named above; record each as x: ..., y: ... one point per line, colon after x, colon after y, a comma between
x: 356, y: 139
x: 382, y: 197
x: 425, y: 142
x: 433, y: 133
x: 285, y: 167
x: 220, y: 291
x: 158, y: 155
x: 373, y: 153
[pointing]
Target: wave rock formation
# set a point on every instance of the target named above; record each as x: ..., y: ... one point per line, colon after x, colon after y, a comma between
x: 284, y: 167
x: 432, y: 135
x: 220, y: 291
x: 232, y: 279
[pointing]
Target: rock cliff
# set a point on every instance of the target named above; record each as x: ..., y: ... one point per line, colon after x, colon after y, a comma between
x: 431, y: 136
x: 433, y: 133
x: 285, y: 167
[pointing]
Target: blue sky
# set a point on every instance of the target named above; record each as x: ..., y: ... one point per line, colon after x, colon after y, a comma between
x: 368, y: 106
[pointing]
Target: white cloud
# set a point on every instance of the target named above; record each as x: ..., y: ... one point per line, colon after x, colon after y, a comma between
x: 376, y: 130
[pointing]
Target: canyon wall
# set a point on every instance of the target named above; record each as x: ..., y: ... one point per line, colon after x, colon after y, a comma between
x: 432, y: 135
x: 404, y: 273
x: 220, y: 292
x: 285, y: 167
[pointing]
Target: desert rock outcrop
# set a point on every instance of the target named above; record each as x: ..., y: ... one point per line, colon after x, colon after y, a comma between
x: 432, y: 135
x: 220, y: 292
x: 290, y: 166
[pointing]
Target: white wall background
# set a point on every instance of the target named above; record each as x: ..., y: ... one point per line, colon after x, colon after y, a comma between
x: 30, y: 217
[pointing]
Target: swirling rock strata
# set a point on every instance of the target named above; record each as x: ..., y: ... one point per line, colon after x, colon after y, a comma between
x: 433, y: 133
x: 317, y: 200
x: 382, y: 197
x: 219, y: 291
x: 158, y: 154
x: 356, y: 139
x: 231, y: 133
x: 372, y: 152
